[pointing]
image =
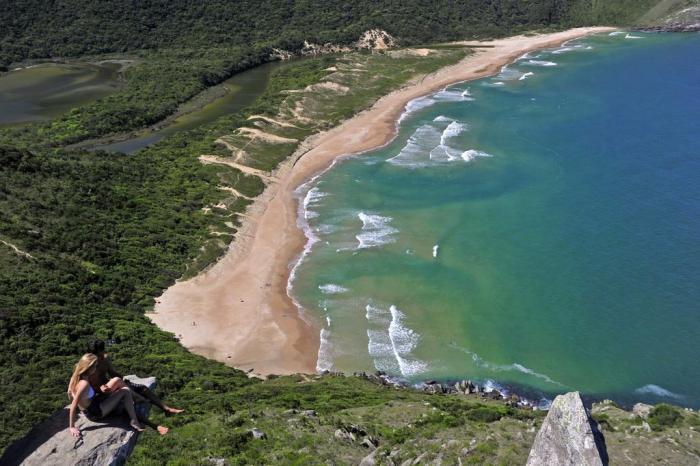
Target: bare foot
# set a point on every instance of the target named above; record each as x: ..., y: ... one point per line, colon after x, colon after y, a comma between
x: 162, y: 430
x: 170, y: 410
x: 137, y: 426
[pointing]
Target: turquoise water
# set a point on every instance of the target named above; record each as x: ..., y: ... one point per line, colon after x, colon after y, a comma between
x: 539, y: 229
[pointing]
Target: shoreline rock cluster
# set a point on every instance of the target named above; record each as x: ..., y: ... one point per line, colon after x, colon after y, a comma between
x: 461, y: 387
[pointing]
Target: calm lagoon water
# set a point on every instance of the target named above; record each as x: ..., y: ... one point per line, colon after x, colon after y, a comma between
x: 537, y: 229
x: 241, y: 90
x: 42, y: 92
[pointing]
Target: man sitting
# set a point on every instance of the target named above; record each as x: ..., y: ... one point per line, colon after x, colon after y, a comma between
x: 102, y: 379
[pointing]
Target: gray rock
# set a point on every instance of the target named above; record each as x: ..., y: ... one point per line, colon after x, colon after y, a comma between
x: 566, y: 436
x: 369, y: 460
x: 342, y: 434
x: 108, y: 442
x: 257, y: 433
x: 370, y: 442
x: 217, y: 461
x: 642, y: 410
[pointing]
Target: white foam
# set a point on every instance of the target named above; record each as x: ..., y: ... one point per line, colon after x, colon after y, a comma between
x: 452, y: 95
x: 617, y: 33
x: 426, y: 140
x: 325, y: 360
x: 656, y: 390
x: 442, y: 118
x: 390, y: 342
x: 453, y: 129
x: 571, y: 48
x: 471, y: 154
x: 328, y: 321
x: 479, y: 361
x: 412, y: 155
x: 630, y: 36
x: 313, y: 196
x: 435, y: 250
x: 498, y: 83
x: 525, y: 76
x: 508, y: 74
x: 376, y: 231
x: 540, y: 63
x: 415, y: 105
x: 331, y: 288
x: 403, y: 341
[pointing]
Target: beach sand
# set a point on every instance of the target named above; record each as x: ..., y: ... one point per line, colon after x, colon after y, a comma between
x: 238, y: 311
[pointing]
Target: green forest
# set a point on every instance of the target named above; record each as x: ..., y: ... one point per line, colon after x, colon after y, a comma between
x: 71, y: 28
x: 88, y: 239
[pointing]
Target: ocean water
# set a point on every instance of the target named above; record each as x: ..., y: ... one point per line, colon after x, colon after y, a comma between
x: 537, y: 230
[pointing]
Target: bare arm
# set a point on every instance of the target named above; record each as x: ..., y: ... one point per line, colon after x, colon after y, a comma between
x: 111, y: 371
x: 79, y: 390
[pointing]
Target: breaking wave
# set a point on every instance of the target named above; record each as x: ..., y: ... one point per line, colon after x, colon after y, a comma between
x: 376, y: 231
x: 325, y: 359
x: 540, y: 63
x: 390, y: 342
x: 427, y: 146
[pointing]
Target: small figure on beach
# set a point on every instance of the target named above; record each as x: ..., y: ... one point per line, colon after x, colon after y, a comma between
x: 96, y: 405
x: 106, y: 379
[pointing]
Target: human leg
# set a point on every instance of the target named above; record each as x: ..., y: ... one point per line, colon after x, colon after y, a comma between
x: 122, y: 395
x: 153, y: 398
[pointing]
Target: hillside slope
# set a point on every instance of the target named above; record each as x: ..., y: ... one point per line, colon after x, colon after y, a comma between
x: 37, y: 29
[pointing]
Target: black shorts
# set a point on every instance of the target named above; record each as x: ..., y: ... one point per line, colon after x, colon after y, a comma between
x: 94, y: 411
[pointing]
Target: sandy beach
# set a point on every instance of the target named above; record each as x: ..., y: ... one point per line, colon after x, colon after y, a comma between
x: 238, y: 311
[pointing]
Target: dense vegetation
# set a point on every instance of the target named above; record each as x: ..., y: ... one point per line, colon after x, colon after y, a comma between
x: 98, y: 235
x: 70, y: 28
x: 104, y: 233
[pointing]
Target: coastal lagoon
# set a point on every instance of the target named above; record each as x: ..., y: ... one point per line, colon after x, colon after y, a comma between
x: 536, y: 230
x: 237, y: 92
x: 44, y: 91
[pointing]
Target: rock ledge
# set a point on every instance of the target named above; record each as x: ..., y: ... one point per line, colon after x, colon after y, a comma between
x: 105, y: 443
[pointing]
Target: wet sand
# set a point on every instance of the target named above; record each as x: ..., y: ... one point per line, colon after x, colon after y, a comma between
x: 238, y: 311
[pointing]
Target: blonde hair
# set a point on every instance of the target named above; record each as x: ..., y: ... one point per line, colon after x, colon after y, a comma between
x: 86, y: 362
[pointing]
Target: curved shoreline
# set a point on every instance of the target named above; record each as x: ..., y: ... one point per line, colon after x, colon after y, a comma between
x: 239, y: 311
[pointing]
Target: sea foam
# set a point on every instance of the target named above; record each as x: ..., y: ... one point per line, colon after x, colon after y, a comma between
x: 331, y: 288
x: 540, y: 63
x: 656, y: 390
x: 390, y: 342
x: 325, y: 358
x: 513, y: 367
x: 376, y: 231
x: 453, y: 129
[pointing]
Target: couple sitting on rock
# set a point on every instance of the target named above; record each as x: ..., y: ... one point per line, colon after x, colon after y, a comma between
x: 97, y: 389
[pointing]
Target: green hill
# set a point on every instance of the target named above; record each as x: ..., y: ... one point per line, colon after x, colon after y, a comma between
x: 70, y: 28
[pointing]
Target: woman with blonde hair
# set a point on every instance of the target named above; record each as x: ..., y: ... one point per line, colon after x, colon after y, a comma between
x: 95, y: 405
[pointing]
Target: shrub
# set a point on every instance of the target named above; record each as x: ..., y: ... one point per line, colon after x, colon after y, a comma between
x: 663, y: 416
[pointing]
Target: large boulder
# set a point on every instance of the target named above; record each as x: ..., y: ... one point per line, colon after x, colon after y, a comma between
x: 566, y: 436
x: 105, y: 443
